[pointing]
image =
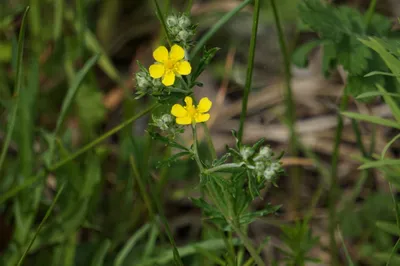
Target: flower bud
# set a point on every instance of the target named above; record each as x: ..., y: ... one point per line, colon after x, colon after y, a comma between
x: 265, y: 153
x: 246, y: 152
x: 183, y: 35
x: 172, y: 21
x: 184, y: 22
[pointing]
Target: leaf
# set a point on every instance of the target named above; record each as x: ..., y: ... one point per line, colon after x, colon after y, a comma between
x: 121, y: 256
x: 300, y: 55
x: 353, y: 55
x: 173, y: 158
x: 372, y: 119
x: 100, y: 254
x: 380, y: 47
x: 18, y: 85
x: 322, y: 19
x: 205, y: 60
x: 392, y: 104
x: 380, y: 163
x: 376, y: 93
x: 358, y: 84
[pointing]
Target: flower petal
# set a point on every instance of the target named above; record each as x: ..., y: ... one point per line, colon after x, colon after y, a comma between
x: 169, y: 78
x: 156, y: 71
x: 204, y: 105
x: 188, y: 101
x: 177, y: 53
x: 161, y: 54
x: 184, y: 68
x: 178, y: 111
x: 187, y: 120
x: 202, y: 118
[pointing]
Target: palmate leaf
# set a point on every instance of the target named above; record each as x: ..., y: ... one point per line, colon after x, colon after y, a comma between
x: 322, y: 19
x: 353, y: 55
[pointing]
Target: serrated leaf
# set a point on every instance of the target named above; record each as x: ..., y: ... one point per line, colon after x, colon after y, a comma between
x: 353, y: 55
x: 173, y: 158
x: 300, y: 55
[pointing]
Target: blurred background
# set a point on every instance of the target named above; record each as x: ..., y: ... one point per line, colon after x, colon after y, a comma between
x: 101, y: 210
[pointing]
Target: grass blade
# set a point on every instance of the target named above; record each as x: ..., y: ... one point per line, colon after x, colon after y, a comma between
x: 217, y: 26
x: 119, y: 260
x: 372, y: 119
x: 18, y: 85
x: 42, y: 223
x: 250, y: 67
x: 380, y: 163
x: 58, y: 18
x: 98, y: 258
x: 73, y: 89
x: 102, y: 138
x: 387, y: 146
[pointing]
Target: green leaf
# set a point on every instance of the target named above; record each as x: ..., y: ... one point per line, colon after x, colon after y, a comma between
x: 121, y: 256
x: 205, y: 60
x: 376, y: 93
x: 353, y: 55
x: 372, y: 119
x: 380, y: 163
x: 300, y: 55
x: 392, y: 104
x: 18, y: 85
x: 387, y: 146
x: 358, y: 84
x: 100, y: 254
x: 380, y: 47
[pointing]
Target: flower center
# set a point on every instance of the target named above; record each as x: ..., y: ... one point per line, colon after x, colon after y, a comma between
x: 170, y: 64
x: 191, y: 110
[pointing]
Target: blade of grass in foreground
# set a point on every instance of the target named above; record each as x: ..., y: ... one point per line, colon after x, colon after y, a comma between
x: 18, y: 85
x: 217, y: 26
x: 42, y: 223
x: 73, y: 89
x: 102, y: 138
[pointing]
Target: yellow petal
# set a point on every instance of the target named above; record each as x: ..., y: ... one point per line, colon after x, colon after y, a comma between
x: 169, y: 78
x: 204, y: 105
x: 178, y: 111
x: 202, y: 118
x: 188, y: 101
x: 161, y: 54
x: 156, y: 71
x: 187, y: 120
x: 184, y: 68
x: 177, y: 53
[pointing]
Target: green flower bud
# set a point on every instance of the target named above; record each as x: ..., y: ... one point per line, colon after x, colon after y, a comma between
x: 246, y: 152
x: 164, y: 122
x: 183, y: 35
x: 172, y: 21
x: 265, y: 153
x: 184, y: 22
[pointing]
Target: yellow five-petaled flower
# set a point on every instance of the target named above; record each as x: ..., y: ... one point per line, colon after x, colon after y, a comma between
x: 190, y: 114
x: 170, y: 64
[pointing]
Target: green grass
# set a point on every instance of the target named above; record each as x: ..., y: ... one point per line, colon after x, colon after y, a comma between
x: 81, y: 184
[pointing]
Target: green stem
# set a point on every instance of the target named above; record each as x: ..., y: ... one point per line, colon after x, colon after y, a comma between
x: 370, y: 12
x: 222, y: 167
x: 333, y: 191
x: 290, y: 109
x: 209, y: 141
x: 249, y: 246
x: 250, y: 67
x: 216, y: 27
x: 189, y: 7
x: 48, y: 212
x: 103, y: 137
x: 162, y: 20
x: 195, y: 149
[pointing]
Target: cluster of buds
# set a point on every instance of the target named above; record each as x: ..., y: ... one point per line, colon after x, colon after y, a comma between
x: 261, y: 163
x: 167, y: 125
x: 180, y: 29
x: 259, y: 160
x: 146, y: 85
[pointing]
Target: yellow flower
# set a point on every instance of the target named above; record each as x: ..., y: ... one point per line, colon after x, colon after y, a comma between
x: 170, y: 64
x: 191, y: 114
